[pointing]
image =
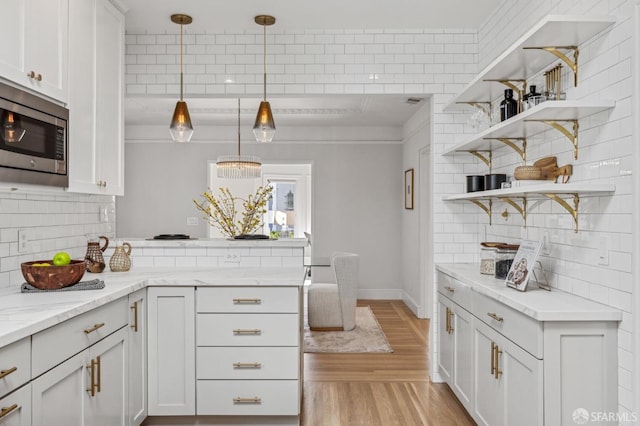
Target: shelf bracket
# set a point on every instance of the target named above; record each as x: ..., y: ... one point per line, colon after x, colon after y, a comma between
x: 571, y: 135
x: 520, y: 209
x: 573, y: 210
x: 509, y: 142
x: 512, y: 84
x: 487, y: 208
x: 572, y: 63
x: 484, y: 159
x: 484, y: 106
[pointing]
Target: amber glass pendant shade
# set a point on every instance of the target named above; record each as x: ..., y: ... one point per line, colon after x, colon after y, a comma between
x: 264, y: 128
x: 12, y: 130
x: 181, y: 128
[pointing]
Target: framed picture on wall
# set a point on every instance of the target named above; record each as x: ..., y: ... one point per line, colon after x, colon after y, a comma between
x: 408, y: 189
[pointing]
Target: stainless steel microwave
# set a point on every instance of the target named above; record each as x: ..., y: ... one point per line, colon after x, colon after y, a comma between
x: 33, y: 139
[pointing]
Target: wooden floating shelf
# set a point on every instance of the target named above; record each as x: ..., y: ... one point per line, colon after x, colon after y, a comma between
x: 522, y: 60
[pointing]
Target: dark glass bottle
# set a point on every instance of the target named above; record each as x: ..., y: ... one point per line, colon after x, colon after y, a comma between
x: 509, y: 106
x: 528, y: 96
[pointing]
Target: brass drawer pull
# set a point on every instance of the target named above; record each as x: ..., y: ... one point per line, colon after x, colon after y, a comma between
x: 94, y: 328
x: 5, y: 373
x: 240, y: 400
x: 495, y: 317
x: 449, y: 289
x: 6, y: 410
x: 98, y: 385
x: 135, y: 316
x: 247, y: 365
x: 92, y: 388
x: 450, y: 321
x: 247, y: 301
x: 493, y: 361
x: 497, y: 372
x: 255, y: 331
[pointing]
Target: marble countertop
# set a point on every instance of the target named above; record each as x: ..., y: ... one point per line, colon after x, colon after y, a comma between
x: 215, y: 242
x: 24, y: 314
x: 542, y: 305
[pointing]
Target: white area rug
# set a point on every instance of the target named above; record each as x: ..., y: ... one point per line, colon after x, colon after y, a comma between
x: 366, y: 337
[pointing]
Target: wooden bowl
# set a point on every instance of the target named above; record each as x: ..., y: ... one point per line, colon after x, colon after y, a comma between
x: 53, y: 277
x: 529, y: 173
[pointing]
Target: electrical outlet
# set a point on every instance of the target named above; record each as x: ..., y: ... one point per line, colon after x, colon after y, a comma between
x: 545, y: 244
x: 23, y: 241
x: 192, y: 221
x: 603, y: 251
x: 231, y: 257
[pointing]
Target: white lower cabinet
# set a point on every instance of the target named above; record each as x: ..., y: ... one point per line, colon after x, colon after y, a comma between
x: 508, y: 368
x: 508, y: 381
x: 171, y: 351
x: 15, y: 409
x: 137, y: 357
x: 89, y: 388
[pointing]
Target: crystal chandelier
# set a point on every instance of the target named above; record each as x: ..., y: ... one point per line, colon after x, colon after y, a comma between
x: 239, y: 166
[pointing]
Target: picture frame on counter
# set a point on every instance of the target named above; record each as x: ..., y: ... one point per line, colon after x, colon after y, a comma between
x: 408, y: 189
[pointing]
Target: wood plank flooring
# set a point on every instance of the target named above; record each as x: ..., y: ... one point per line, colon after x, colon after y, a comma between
x: 380, y: 389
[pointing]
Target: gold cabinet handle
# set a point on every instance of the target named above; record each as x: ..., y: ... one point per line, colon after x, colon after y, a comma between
x: 495, y: 317
x: 135, y: 316
x: 5, y: 373
x: 493, y: 361
x: 497, y: 352
x: 254, y: 331
x: 33, y: 75
x: 240, y: 301
x: 247, y: 365
x: 240, y: 400
x: 450, y: 321
x: 6, y: 410
x: 446, y: 323
x: 94, y: 328
x: 92, y: 388
x: 98, y: 384
x: 449, y: 289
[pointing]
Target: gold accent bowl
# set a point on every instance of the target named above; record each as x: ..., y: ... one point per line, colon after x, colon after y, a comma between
x: 52, y: 277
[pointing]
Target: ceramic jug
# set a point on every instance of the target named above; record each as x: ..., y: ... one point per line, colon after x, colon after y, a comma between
x: 120, y: 260
x: 94, y: 260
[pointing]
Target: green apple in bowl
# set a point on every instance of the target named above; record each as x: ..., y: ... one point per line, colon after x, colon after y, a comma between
x: 61, y: 258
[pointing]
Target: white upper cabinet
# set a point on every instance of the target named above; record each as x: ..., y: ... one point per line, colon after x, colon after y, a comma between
x: 34, y: 51
x: 96, y: 98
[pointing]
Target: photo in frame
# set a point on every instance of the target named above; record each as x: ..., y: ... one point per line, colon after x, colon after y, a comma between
x: 523, y: 264
x: 408, y: 189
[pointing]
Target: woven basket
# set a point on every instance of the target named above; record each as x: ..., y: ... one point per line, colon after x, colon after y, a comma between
x: 528, y: 173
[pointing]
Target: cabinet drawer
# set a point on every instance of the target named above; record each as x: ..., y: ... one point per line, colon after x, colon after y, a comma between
x: 248, y: 397
x: 454, y: 290
x: 15, y: 365
x: 53, y: 345
x: 519, y: 328
x: 247, y: 330
x: 247, y: 363
x: 247, y: 299
x: 17, y: 407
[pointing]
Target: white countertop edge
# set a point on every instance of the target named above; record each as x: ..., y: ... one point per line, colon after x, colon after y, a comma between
x: 214, y: 242
x: 539, y: 304
x: 25, y: 314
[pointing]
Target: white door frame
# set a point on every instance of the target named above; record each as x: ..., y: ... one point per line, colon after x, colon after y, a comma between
x: 636, y: 200
x: 425, y: 225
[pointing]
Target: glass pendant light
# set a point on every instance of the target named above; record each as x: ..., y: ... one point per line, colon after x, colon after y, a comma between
x: 181, y: 128
x: 239, y: 166
x: 264, y: 127
x: 12, y: 130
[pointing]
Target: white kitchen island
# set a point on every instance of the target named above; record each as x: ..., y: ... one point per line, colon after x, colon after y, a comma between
x: 82, y: 357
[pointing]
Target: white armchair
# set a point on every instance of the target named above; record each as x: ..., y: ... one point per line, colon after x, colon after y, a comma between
x: 332, y: 306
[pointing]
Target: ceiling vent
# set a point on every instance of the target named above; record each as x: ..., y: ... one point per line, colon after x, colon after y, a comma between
x: 414, y: 101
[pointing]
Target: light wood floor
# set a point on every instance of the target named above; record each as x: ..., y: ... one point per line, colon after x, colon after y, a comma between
x: 380, y: 389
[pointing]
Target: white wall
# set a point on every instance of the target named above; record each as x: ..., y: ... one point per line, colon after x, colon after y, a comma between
x: 357, y: 191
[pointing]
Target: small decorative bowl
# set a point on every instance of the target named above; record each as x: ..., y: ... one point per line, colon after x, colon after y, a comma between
x: 53, y: 277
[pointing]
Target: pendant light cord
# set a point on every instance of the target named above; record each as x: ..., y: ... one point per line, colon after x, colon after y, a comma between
x: 238, y: 128
x: 264, y: 60
x: 181, y: 80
